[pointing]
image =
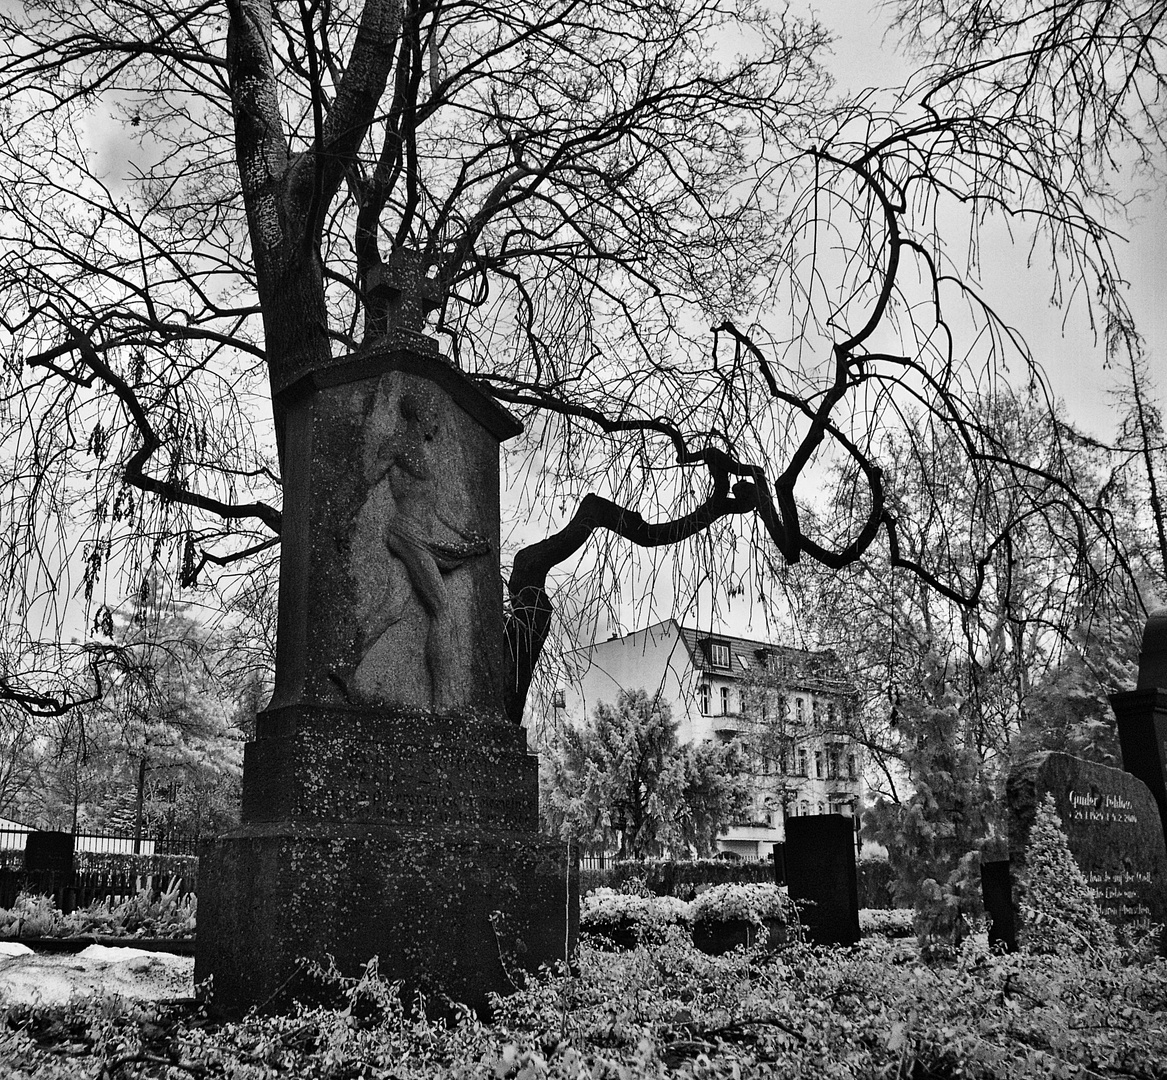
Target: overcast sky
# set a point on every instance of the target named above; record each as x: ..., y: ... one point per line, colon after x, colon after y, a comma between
x: 864, y: 56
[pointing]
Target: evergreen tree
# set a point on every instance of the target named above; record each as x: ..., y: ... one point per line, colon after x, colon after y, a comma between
x: 1058, y: 909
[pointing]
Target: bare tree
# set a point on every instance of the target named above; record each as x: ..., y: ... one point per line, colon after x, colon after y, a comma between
x: 571, y: 194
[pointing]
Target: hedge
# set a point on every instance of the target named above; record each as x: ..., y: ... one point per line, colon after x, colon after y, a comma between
x: 669, y: 877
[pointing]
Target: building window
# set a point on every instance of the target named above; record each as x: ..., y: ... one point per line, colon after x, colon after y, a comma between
x: 852, y: 767
x: 802, y: 761
x: 804, y: 808
x: 725, y: 701
x: 719, y: 654
x: 765, y: 711
x: 704, y: 699
x: 833, y: 763
x: 766, y: 764
x: 559, y: 700
x: 816, y: 711
x: 832, y: 713
x: 818, y: 764
x: 799, y: 710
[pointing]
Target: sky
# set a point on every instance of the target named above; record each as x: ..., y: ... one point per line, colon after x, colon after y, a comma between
x: 865, y: 55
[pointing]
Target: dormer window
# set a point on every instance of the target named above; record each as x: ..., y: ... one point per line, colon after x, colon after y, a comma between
x: 719, y: 654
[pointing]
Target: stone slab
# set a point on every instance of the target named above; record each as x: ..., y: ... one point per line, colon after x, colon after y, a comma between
x: 457, y: 913
x: 394, y: 768
x: 1112, y: 824
x: 820, y: 867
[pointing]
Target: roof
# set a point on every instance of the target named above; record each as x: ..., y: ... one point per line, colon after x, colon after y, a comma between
x: 750, y: 658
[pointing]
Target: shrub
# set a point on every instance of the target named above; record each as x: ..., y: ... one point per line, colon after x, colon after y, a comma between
x: 606, y: 907
x: 750, y: 903
x: 875, y: 879
x: 894, y: 922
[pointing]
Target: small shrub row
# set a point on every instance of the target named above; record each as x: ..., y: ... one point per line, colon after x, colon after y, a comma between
x: 672, y: 877
x: 750, y: 903
x: 145, y: 915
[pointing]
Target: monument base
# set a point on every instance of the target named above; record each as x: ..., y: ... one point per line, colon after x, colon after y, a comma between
x: 453, y: 914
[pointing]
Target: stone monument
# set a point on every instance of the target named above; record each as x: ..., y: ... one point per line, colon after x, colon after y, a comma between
x: 389, y: 808
x: 1112, y: 825
x: 1142, y: 714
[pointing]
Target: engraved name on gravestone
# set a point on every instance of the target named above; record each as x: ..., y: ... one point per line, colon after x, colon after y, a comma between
x: 1112, y: 825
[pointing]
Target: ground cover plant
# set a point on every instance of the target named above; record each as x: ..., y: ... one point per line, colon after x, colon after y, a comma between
x: 144, y: 915
x: 665, y: 1009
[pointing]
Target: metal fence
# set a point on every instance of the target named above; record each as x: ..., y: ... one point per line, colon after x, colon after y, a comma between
x: 111, y: 843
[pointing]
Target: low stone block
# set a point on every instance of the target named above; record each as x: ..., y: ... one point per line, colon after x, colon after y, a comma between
x: 451, y: 913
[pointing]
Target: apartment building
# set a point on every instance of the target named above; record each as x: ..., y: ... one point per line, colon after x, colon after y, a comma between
x: 790, y: 708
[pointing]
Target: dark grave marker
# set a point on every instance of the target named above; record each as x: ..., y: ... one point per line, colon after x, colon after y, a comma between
x: 997, y: 892
x: 48, y: 853
x: 779, y: 857
x: 1113, y: 828
x: 820, y: 867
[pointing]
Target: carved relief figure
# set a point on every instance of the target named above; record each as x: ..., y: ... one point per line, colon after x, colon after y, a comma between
x: 404, y: 496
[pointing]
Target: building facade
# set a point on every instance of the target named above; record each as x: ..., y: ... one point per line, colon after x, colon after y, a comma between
x: 791, y: 710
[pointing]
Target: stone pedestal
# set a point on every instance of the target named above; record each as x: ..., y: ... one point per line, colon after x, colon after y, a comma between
x: 1142, y: 715
x: 389, y: 808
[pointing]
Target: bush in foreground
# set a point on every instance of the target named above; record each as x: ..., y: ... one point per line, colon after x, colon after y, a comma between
x: 665, y: 1010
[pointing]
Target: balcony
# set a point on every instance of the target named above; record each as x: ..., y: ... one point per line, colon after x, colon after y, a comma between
x: 729, y: 724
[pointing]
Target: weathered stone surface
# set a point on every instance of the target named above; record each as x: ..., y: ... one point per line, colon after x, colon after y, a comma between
x: 397, y: 768
x: 389, y: 808
x: 1112, y: 824
x: 459, y: 912
x: 820, y: 867
x: 389, y: 576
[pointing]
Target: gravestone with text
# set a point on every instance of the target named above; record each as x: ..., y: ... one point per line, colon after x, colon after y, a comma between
x: 1111, y: 822
x: 389, y: 808
x: 820, y: 868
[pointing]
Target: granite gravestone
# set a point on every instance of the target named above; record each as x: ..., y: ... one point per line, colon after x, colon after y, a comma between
x: 1142, y: 714
x: 389, y: 808
x: 820, y: 867
x: 1112, y: 825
